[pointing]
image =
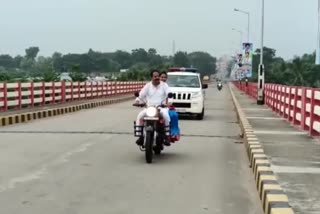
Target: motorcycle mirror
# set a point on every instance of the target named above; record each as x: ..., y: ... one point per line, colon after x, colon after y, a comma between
x: 136, y: 94
x: 170, y: 95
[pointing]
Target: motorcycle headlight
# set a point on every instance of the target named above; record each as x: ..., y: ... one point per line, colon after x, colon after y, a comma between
x: 196, y: 94
x: 151, y: 111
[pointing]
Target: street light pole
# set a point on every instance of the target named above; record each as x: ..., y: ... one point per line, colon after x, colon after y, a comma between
x: 260, y: 95
x: 318, y: 39
x: 241, y: 33
x: 240, y: 48
x: 248, y: 36
x: 245, y: 12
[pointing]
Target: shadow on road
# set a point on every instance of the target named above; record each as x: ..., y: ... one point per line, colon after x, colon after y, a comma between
x: 165, y: 157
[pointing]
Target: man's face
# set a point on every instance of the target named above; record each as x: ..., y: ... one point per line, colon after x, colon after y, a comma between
x: 163, y: 78
x: 156, y: 78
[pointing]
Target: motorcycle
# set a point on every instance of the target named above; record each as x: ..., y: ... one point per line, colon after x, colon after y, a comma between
x: 153, y: 130
x: 219, y: 86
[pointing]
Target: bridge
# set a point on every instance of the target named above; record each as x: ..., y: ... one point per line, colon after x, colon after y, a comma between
x: 69, y: 148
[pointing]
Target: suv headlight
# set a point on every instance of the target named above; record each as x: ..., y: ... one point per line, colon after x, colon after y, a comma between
x: 196, y: 94
x: 151, y: 111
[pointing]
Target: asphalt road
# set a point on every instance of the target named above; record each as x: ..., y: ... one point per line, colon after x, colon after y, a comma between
x: 87, y: 162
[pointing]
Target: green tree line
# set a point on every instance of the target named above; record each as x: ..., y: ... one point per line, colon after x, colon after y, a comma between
x: 136, y: 63
x: 299, y: 71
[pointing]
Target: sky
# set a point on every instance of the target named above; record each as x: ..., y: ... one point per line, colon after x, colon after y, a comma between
x: 75, y: 26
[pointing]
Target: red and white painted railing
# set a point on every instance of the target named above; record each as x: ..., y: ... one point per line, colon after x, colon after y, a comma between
x: 248, y: 87
x: 24, y: 95
x: 298, y: 105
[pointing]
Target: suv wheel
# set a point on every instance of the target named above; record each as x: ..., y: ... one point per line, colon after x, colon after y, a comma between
x: 200, y: 116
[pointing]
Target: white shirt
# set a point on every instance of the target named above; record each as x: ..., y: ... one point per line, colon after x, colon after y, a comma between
x: 155, y: 95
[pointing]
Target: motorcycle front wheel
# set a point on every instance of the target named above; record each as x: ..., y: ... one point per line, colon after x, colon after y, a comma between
x: 149, y: 146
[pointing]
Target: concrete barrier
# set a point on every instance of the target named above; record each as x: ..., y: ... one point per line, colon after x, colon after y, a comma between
x: 52, y: 112
x: 273, y: 198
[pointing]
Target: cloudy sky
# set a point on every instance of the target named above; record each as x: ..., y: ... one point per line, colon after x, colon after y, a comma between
x: 74, y: 26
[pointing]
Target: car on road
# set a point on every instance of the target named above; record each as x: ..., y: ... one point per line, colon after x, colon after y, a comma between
x: 188, y: 91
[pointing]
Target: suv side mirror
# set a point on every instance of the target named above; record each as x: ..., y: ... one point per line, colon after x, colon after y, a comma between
x: 204, y: 86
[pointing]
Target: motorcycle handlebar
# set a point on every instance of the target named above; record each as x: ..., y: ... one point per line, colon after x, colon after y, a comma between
x: 143, y: 105
x: 162, y: 105
x: 138, y: 105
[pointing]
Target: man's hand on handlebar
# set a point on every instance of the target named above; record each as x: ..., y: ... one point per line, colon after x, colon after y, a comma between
x: 137, y: 104
x: 163, y: 105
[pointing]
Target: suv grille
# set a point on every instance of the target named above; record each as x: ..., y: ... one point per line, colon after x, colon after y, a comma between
x: 182, y: 96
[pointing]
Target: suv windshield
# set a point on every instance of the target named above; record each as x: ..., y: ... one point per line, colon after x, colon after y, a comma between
x: 183, y: 81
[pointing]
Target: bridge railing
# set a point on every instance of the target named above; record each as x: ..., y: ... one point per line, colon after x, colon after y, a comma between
x: 298, y: 105
x: 32, y: 94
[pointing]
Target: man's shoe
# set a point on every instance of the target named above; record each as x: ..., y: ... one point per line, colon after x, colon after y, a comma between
x: 166, y: 142
x: 139, y: 141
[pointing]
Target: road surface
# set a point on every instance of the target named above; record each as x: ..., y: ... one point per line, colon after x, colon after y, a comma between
x: 87, y: 162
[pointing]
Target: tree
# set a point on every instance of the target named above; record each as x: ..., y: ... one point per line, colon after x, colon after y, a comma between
x: 269, y: 57
x: 139, y: 62
x: 139, y: 71
x: 76, y: 73
x: 181, y: 59
x: 83, y: 61
x: 4, y: 76
x: 17, y: 61
x: 103, y: 63
x: 300, y: 71
x: 139, y: 55
x: 155, y: 60
x: 26, y: 63
x: 50, y: 76
x: 7, y: 61
x: 43, y: 65
x: 123, y: 58
x: 57, y: 62
x: 203, y: 61
x: 32, y: 52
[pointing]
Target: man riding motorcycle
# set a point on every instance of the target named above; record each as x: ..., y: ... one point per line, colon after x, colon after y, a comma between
x: 154, y: 93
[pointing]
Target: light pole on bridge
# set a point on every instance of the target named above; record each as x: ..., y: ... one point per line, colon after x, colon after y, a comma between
x: 245, y: 12
x: 260, y: 94
x: 241, y: 33
x: 318, y: 38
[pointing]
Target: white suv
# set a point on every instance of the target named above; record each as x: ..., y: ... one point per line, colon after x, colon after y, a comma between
x: 187, y: 89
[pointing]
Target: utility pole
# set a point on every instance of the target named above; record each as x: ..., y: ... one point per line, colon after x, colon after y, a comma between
x: 260, y: 95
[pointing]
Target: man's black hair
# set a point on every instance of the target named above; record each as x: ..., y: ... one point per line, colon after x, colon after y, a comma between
x: 163, y: 72
x: 152, y: 71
